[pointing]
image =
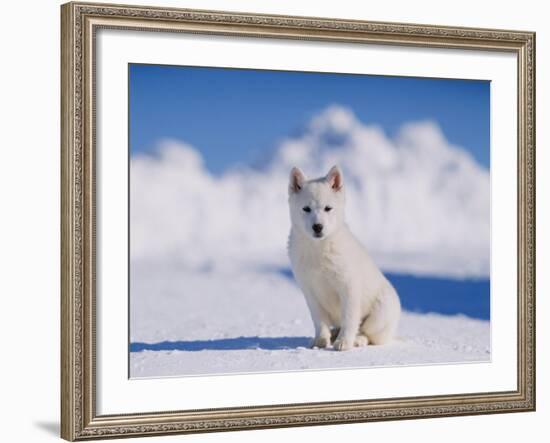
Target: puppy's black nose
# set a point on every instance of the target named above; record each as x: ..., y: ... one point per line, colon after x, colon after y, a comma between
x: 317, y: 228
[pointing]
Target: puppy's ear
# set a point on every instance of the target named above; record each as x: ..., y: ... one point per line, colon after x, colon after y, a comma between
x: 335, y: 178
x: 297, y: 179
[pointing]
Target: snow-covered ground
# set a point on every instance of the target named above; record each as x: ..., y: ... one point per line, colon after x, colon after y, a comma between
x: 219, y: 322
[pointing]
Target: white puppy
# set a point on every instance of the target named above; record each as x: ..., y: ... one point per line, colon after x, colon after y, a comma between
x: 350, y: 300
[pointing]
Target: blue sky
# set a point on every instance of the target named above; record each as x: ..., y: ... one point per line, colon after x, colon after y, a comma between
x: 233, y: 116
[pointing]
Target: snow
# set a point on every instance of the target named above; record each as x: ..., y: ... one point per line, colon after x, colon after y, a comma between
x: 419, y: 203
x: 206, y: 251
x: 216, y: 322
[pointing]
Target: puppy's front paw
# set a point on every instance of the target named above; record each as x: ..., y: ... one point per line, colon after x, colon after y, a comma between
x: 361, y: 340
x: 321, y: 342
x: 342, y: 344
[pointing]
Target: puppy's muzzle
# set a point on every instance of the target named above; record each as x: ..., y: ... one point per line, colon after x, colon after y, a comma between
x: 317, y: 229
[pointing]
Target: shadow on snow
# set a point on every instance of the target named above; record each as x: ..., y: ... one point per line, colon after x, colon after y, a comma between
x: 447, y: 296
x: 225, y: 344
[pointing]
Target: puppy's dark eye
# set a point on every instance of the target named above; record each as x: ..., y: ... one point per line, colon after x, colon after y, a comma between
x: 306, y: 209
x: 328, y: 208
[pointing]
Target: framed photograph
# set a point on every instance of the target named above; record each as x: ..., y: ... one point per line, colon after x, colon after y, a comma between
x: 283, y: 221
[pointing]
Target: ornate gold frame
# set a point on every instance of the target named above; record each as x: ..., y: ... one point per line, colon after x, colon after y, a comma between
x: 79, y: 21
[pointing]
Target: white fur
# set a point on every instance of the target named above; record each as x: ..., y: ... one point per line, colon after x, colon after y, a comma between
x: 350, y: 300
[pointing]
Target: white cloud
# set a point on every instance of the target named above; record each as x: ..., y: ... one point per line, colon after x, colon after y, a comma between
x: 420, y: 204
